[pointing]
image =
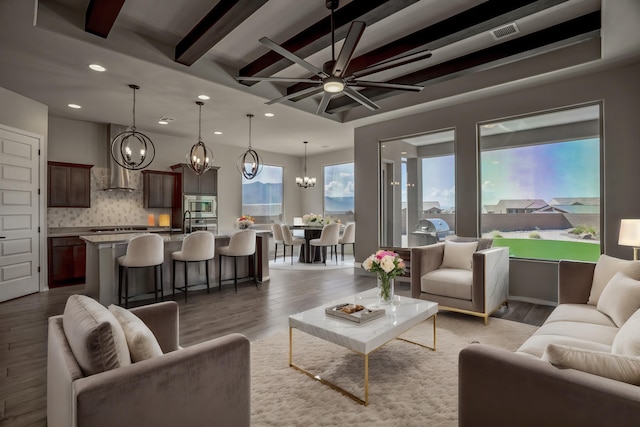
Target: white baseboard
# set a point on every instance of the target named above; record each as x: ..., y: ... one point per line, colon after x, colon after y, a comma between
x: 532, y: 300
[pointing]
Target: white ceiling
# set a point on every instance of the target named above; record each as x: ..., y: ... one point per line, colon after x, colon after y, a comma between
x: 48, y: 63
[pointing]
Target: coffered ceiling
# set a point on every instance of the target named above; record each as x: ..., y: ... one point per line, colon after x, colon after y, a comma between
x: 178, y: 49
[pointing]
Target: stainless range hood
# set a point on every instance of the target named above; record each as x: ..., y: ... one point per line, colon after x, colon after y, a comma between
x: 118, y: 176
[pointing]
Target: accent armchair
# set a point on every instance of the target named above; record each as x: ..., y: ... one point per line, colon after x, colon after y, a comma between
x: 461, y: 277
x: 207, y: 384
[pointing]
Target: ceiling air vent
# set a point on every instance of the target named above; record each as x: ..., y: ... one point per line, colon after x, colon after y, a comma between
x: 504, y: 31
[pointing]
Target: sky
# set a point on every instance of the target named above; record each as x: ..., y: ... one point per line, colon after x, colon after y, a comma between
x: 565, y: 169
x: 339, y: 180
x: 438, y: 178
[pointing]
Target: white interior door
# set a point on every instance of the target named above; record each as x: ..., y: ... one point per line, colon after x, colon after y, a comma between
x: 19, y: 214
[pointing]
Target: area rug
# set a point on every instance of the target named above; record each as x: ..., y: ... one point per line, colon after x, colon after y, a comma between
x: 408, y: 385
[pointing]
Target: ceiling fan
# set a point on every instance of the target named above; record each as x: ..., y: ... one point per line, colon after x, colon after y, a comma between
x: 332, y: 79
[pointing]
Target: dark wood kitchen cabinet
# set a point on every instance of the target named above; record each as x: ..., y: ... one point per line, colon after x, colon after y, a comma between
x: 69, y: 185
x: 67, y: 261
x: 192, y: 183
x: 159, y: 189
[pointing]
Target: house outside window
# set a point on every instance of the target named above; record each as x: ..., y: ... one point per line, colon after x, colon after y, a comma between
x: 339, y: 181
x: 540, y: 184
x: 262, y: 197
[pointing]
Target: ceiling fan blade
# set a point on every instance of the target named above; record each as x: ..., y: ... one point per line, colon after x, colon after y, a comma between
x: 323, y: 103
x: 392, y: 62
x: 308, y: 91
x: 348, y: 47
x: 292, y: 57
x: 356, y: 96
x: 274, y: 79
x: 383, y: 85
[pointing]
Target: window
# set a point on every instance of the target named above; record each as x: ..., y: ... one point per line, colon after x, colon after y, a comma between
x: 338, y: 192
x: 418, y: 185
x: 540, y: 184
x: 262, y: 196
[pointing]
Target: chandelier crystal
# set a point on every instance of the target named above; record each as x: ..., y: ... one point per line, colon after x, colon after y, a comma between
x: 305, y: 181
x: 132, y: 149
x: 249, y: 163
x: 200, y: 158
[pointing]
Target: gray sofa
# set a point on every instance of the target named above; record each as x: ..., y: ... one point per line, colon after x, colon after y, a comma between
x: 207, y: 384
x: 522, y: 388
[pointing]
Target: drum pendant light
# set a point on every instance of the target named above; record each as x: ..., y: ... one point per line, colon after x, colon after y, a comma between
x: 250, y: 163
x: 200, y: 158
x: 132, y: 149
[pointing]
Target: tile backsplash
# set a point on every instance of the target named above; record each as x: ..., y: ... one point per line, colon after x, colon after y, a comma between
x: 107, y: 207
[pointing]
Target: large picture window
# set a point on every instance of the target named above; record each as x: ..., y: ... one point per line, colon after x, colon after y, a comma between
x: 338, y: 192
x: 540, y: 184
x: 262, y: 196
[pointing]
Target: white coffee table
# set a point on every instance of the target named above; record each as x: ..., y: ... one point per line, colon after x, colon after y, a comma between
x: 362, y: 338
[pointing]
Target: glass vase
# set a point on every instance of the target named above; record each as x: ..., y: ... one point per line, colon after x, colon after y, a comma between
x: 386, y: 289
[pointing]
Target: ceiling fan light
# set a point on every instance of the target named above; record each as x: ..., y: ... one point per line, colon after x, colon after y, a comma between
x: 333, y: 85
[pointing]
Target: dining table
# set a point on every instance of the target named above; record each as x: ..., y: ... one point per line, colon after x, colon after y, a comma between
x: 306, y: 252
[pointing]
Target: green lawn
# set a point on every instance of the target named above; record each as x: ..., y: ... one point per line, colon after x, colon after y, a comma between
x: 552, y: 250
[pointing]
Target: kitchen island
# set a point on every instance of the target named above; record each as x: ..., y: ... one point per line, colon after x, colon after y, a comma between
x: 103, y: 251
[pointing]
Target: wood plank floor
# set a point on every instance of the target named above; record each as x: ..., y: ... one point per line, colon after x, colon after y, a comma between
x: 256, y: 313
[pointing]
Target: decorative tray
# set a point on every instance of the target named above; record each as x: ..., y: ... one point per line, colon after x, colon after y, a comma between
x: 354, y: 312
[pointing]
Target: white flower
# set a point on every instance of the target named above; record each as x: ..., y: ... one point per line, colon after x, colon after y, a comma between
x: 367, y: 263
x: 386, y: 263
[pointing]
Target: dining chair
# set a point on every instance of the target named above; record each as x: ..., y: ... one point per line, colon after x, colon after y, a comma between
x: 144, y: 250
x: 277, y: 238
x: 289, y: 240
x: 196, y: 247
x: 348, y: 238
x: 241, y: 244
x: 328, y: 238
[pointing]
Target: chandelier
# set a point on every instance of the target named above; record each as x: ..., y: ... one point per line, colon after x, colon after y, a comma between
x: 249, y: 163
x: 132, y: 149
x: 200, y: 158
x: 305, y: 181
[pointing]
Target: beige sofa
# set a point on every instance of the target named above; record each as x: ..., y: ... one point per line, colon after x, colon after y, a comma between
x: 207, y: 384
x: 594, y: 351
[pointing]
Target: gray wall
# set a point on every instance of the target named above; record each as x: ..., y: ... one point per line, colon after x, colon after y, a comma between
x: 23, y: 113
x: 619, y: 90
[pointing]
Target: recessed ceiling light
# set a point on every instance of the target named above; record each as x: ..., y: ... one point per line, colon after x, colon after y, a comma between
x: 203, y: 97
x: 403, y: 152
x: 217, y: 132
x: 96, y: 67
x: 76, y: 106
x: 269, y: 114
x: 163, y: 122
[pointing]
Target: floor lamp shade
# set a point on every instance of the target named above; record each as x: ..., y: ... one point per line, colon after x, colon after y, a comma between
x: 630, y: 235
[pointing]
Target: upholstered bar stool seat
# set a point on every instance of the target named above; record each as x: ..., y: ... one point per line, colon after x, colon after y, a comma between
x: 289, y: 240
x: 198, y: 246
x: 241, y: 244
x: 328, y: 238
x: 145, y: 250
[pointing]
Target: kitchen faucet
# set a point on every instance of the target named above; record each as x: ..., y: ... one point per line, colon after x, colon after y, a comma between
x: 184, y: 222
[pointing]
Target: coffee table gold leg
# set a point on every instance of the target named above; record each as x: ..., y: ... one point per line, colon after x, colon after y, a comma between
x: 422, y: 345
x: 366, y: 379
x: 290, y: 346
x: 434, y: 331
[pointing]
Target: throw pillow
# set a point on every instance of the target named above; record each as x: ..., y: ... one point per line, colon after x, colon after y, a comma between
x: 458, y: 255
x: 606, y: 268
x: 627, y: 340
x: 141, y: 341
x: 618, y: 367
x: 94, y: 335
x: 620, y: 298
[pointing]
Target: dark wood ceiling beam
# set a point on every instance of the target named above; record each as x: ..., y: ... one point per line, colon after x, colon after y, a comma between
x: 318, y: 36
x: 473, y: 21
x: 566, y: 33
x: 101, y: 15
x: 220, y: 21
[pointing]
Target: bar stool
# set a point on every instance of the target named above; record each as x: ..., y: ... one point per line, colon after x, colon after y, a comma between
x: 196, y: 247
x: 289, y: 240
x: 348, y: 238
x: 242, y: 243
x: 328, y: 237
x: 278, y: 238
x: 145, y: 250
